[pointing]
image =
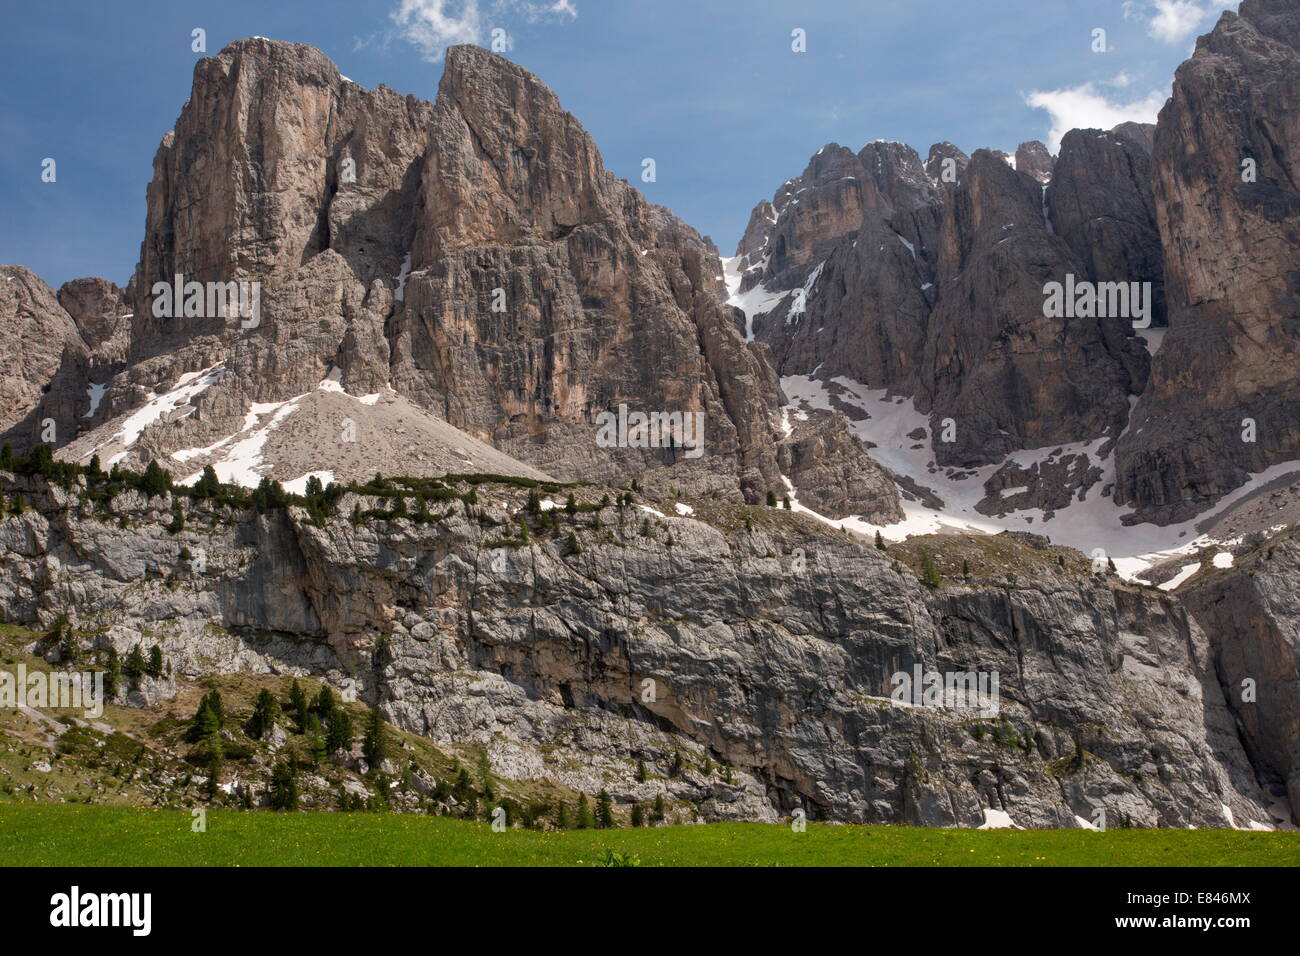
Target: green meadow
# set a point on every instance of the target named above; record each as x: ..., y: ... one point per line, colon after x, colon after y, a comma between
x: 66, y: 835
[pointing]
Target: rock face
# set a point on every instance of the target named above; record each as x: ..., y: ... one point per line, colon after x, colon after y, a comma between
x: 471, y: 256
x: 938, y: 293
x: 603, y: 300
x: 1034, y: 159
x: 769, y: 648
x: 1100, y: 202
x: 102, y: 316
x: 1252, y: 614
x: 42, y: 347
x: 1231, y: 243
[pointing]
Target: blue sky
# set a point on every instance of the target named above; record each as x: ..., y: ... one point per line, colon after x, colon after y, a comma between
x: 711, y: 89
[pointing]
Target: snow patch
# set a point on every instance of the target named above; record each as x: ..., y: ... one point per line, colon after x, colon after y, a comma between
x: 299, y: 485
x: 998, y: 820
x: 157, y: 407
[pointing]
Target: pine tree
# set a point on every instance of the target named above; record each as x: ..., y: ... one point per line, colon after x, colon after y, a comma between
x: 562, y: 816
x: 134, y: 667
x: 314, y: 487
x: 771, y: 499
x: 112, y: 675
x: 284, y: 787
x: 154, y: 667
x: 324, y: 705
x: 205, y: 729
x: 375, y: 746
x: 570, y: 506
x: 785, y: 503
x: 574, y: 547
x: 534, y: 502
x: 585, y: 820
x: 266, y: 712
x: 208, y: 485
x: 929, y: 573
x: 214, y: 773
x: 315, y: 739
x: 604, y: 811
x: 965, y: 568
x: 641, y: 774
x: 155, y: 480
x: 339, y: 731
x: 638, y: 815
x: 880, y: 542
x: 660, y: 811
x: 298, y: 701
x: 676, y: 769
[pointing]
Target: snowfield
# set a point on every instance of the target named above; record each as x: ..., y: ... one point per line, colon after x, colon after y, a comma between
x: 1088, y: 524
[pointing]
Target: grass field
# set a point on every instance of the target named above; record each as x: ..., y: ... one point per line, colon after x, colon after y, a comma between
x: 42, y: 835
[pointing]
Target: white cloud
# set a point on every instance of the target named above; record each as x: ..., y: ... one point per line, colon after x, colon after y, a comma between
x: 1083, y: 107
x: 434, y: 25
x: 1176, y: 21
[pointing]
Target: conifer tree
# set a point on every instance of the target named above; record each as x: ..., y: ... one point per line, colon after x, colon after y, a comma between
x: 315, y: 739
x: 154, y: 666
x: 929, y: 573
x: 324, y: 705
x: 134, y: 667
x: 284, y: 787
x: 375, y: 746
x: 585, y: 821
x: 339, y: 731
x: 298, y: 701
x: 112, y: 674
x: 266, y: 713
x: 604, y: 811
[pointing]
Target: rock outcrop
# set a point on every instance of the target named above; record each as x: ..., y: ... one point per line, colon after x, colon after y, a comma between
x: 1252, y: 614
x: 472, y: 256
x: 1224, y: 399
x: 769, y: 646
x: 938, y: 294
x: 44, y: 352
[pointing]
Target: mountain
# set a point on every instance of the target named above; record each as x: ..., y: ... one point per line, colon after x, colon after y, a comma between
x: 444, y: 329
x: 900, y: 290
x: 1226, y: 175
x: 471, y: 259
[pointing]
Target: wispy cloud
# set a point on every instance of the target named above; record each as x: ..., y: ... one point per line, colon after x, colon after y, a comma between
x: 1176, y: 21
x: 1086, y: 107
x: 434, y: 25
